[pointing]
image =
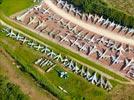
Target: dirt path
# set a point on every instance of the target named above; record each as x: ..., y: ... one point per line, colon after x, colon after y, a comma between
x: 93, y: 28
x: 26, y: 84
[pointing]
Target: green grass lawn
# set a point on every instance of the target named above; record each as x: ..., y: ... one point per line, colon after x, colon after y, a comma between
x: 126, y: 6
x: 77, y: 87
x: 10, y: 7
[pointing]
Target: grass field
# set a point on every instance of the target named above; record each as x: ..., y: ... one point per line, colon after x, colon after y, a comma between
x: 10, y: 7
x: 8, y: 68
x: 73, y: 84
x: 126, y: 6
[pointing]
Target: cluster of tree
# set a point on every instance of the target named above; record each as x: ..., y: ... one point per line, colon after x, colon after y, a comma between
x: 100, y: 8
x: 1, y: 1
x: 9, y: 91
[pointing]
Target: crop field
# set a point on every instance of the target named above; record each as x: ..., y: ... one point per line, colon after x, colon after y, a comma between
x: 126, y: 6
x: 10, y: 7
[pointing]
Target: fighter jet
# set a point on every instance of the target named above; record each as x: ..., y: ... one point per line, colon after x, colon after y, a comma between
x: 74, y: 29
x: 38, y: 61
x: 87, y: 74
x: 63, y: 23
x: 66, y: 6
x: 51, y: 54
x: 22, y: 17
x: 118, y: 27
x: 32, y: 20
x: 31, y: 44
x: 60, y: 2
x: 84, y: 48
x: 103, y: 54
x: 108, y: 86
x: 24, y: 40
x: 129, y: 63
x: 58, y: 58
x: 131, y: 73
x: 75, y: 69
x: 93, y: 79
x: 101, y: 20
x: 52, y: 32
x: 109, y: 43
x: 113, y: 25
x: 19, y: 37
x: 64, y: 38
x: 113, y: 47
x: 90, y: 17
x: 7, y: 30
x: 124, y: 29
x: 90, y: 39
x: 74, y: 42
x: 38, y: 47
x: 131, y: 31
x: 80, y: 34
x: 129, y: 48
x: 115, y: 60
x: 92, y: 50
x: 96, y: 18
x: 71, y: 64
x: 83, y: 16
x: 41, y: 24
x: 11, y: 33
x: 101, y: 82
x: 106, y: 23
x: 45, y: 50
x: 72, y: 9
x: 37, y: 8
x: 78, y: 12
x: 50, y: 68
x: 67, y: 25
x: 120, y: 49
x: 45, y: 11
x: 45, y: 28
x: 101, y: 40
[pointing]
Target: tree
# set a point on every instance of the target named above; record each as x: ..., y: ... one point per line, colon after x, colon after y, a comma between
x: 1, y: 1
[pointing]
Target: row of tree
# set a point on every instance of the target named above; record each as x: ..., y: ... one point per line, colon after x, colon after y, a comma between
x: 100, y: 8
